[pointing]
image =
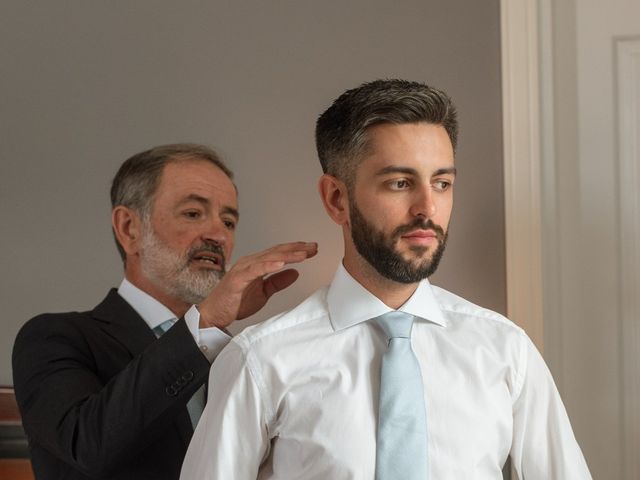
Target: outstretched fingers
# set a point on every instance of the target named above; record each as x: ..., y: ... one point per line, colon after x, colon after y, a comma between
x: 247, y: 286
x: 294, y: 252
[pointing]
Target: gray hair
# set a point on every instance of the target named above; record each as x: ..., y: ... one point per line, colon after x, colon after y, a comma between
x: 341, y: 131
x: 137, y: 179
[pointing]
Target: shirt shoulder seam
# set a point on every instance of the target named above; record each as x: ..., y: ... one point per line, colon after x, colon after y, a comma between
x: 253, y: 367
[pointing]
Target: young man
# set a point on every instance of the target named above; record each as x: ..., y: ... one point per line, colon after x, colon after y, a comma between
x: 382, y: 375
x: 114, y: 393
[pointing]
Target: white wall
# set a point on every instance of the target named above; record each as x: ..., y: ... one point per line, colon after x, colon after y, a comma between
x: 85, y: 84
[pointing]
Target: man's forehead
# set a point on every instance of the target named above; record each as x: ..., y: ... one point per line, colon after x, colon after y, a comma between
x: 194, y: 170
x: 188, y: 164
x: 388, y: 142
x: 196, y: 179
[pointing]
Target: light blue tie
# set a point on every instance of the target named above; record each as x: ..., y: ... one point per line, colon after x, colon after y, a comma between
x: 401, y: 452
x: 195, y: 405
x: 164, y: 327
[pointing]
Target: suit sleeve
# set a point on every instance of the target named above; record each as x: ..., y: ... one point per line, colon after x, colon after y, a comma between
x: 98, y: 424
x: 544, y: 447
x: 232, y: 437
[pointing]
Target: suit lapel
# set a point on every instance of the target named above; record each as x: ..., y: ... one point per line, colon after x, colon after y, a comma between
x: 123, y: 323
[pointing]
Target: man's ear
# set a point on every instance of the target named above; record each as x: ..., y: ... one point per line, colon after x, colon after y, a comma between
x: 335, y: 198
x: 127, y: 227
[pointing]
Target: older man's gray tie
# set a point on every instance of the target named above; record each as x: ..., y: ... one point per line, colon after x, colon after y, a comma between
x: 401, y: 451
x: 195, y: 405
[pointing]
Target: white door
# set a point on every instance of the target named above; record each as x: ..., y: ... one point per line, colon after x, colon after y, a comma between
x: 591, y: 223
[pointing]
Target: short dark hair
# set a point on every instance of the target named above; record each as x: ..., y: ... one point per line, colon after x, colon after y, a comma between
x: 341, y: 131
x: 137, y: 179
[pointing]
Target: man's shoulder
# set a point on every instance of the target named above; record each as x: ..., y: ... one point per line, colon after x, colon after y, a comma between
x: 310, y: 315
x: 56, y: 322
x: 458, y: 308
x: 47, y: 334
x: 65, y: 322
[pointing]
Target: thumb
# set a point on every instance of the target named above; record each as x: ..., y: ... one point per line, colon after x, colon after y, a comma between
x: 279, y: 281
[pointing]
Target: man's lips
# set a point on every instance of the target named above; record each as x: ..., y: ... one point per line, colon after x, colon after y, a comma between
x: 421, y: 237
x: 419, y: 228
x: 209, y: 258
x: 421, y: 234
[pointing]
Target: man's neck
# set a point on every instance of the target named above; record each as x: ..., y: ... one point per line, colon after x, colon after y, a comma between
x: 178, y: 307
x: 393, y: 294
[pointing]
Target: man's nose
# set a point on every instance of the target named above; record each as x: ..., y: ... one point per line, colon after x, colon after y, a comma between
x: 216, y: 232
x: 423, y: 203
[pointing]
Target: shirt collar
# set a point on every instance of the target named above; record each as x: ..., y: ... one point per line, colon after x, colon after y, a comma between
x: 350, y: 303
x: 151, y: 310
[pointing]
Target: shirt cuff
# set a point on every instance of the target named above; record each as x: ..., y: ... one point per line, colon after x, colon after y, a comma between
x: 211, y: 341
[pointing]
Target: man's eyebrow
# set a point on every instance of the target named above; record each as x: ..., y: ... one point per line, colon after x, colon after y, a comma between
x: 232, y: 211
x: 413, y: 171
x: 446, y: 171
x: 396, y: 169
x: 193, y: 197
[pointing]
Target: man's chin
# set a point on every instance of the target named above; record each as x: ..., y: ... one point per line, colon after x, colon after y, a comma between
x: 411, y: 266
x: 417, y: 256
x: 205, y: 272
x: 197, y: 284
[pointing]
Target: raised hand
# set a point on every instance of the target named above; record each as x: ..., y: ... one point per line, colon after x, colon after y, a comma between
x: 247, y: 286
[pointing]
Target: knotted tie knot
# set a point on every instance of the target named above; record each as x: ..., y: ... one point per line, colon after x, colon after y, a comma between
x: 396, y: 324
x: 164, y: 327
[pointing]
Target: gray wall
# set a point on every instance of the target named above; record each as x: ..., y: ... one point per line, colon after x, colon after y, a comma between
x: 85, y: 84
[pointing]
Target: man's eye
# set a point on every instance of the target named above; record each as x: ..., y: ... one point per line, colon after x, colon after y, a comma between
x: 442, y: 185
x: 230, y: 224
x: 400, y: 184
x: 192, y: 214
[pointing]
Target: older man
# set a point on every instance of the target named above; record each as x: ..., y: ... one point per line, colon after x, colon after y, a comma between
x: 114, y: 393
x: 382, y: 375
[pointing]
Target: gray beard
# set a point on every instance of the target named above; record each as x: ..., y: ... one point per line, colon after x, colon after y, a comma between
x: 170, y: 271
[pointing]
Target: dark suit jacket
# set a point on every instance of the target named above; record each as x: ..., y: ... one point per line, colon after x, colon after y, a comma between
x: 101, y: 397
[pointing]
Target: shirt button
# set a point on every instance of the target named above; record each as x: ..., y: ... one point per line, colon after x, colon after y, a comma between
x: 204, y: 348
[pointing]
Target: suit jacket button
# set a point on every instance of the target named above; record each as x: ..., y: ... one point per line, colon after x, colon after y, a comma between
x: 187, y: 376
x: 171, y: 390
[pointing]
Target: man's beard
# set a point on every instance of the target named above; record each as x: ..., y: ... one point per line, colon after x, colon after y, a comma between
x: 379, y: 250
x: 171, y: 272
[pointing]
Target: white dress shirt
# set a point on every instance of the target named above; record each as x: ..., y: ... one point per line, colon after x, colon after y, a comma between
x: 297, y: 396
x: 210, y: 340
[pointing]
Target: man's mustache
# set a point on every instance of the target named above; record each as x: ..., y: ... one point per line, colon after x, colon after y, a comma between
x: 419, y: 224
x: 207, y: 247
